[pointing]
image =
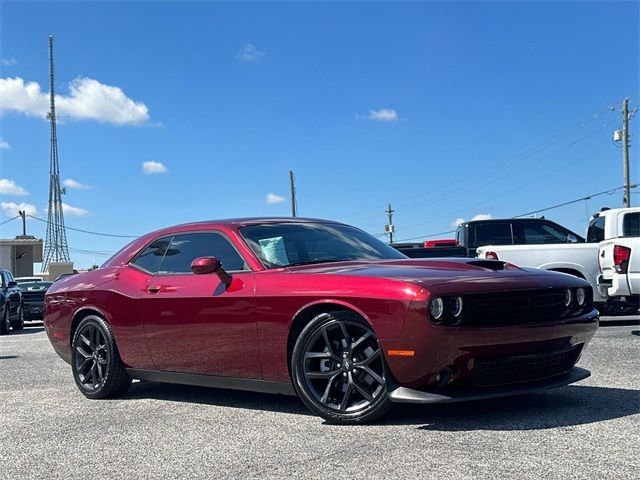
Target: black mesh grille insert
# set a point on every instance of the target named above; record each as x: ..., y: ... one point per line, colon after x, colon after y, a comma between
x: 489, y: 371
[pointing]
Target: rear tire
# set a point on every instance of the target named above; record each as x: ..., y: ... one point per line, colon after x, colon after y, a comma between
x: 96, y: 364
x: 338, y: 369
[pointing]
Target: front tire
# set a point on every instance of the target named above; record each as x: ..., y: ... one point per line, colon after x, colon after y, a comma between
x: 97, y: 368
x: 5, y: 323
x: 19, y: 323
x: 338, y: 369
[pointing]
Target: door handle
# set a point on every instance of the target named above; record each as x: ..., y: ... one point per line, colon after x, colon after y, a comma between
x: 153, y: 289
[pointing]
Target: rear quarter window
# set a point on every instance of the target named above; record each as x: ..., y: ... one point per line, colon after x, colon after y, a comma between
x: 631, y: 225
x: 493, y: 234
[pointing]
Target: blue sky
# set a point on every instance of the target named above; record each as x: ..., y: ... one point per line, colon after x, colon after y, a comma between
x: 435, y: 107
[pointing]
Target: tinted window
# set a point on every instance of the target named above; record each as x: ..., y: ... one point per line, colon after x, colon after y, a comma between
x: 631, y: 225
x: 34, y: 286
x: 595, y: 233
x: 151, y: 256
x: 185, y: 248
x: 493, y: 234
x: 535, y: 232
x: 285, y: 244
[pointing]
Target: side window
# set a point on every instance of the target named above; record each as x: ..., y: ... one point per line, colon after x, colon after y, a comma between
x: 3, y: 278
x: 493, y: 234
x: 537, y: 233
x: 9, y: 277
x: 595, y: 233
x: 150, y: 258
x: 185, y: 248
x: 631, y: 225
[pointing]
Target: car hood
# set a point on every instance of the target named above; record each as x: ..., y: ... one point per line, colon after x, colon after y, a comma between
x: 439, y: 271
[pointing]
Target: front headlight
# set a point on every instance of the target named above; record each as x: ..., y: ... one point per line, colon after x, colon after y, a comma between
x: 581, y: 296
x: 568, y: 297
x: 436, y: 308
x: 455, y: 306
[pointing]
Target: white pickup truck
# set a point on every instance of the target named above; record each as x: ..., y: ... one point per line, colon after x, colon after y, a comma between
x: 579, y: 259
x: 619, y: 259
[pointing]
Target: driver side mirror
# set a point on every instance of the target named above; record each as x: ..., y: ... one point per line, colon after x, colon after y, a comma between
x: 12, y: 284
x: 204, y: 265
x: 572, y: 239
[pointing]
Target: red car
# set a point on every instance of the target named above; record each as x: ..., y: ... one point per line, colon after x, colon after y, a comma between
x: 319, y: 309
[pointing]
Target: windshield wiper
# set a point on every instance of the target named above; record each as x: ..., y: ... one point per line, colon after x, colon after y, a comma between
x: 311, y: 262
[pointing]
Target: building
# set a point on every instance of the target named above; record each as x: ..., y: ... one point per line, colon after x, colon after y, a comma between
x: 19, y: 254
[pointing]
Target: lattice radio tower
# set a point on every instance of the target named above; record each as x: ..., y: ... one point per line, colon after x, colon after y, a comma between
x: 55, y: 246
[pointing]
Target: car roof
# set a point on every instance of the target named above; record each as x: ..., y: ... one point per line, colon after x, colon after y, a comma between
x: 243, y: 221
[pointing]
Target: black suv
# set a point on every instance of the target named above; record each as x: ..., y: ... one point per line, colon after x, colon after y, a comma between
x: 12, y: 313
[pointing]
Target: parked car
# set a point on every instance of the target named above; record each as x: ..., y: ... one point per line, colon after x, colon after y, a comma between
x: 33, y: 299
x: 319, y: 309
x: 11, y: 304
x: 619, y: 260
x: 579, y: 259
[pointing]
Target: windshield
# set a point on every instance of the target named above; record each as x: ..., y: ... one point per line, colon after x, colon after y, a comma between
x: 34, y: 286
x: 288, y: 244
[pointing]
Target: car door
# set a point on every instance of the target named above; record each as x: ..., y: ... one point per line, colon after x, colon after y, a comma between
x: 195, y: 323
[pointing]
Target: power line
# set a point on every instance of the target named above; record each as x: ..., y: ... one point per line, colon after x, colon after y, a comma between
x: 7, y: 221
x: 588, y: 197
x: 529, y: 152
x: 86, y: 231
x: 581, y: 199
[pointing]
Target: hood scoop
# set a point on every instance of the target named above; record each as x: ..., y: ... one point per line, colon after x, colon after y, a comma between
x: 494, y: 265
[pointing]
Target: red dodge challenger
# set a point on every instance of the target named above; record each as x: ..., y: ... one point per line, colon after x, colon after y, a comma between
x: 319, y: 309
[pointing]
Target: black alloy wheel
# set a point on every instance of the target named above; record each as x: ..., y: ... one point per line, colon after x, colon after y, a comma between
x: 96, y: 364
x: 339, y: 370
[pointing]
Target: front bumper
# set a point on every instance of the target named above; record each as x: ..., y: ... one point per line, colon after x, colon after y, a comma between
x: 465, y: 394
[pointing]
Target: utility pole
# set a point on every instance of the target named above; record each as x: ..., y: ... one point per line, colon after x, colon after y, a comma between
x: 388, y: 228
x: 23, y: 214
x: 294, y: 212
x: 625, y: 152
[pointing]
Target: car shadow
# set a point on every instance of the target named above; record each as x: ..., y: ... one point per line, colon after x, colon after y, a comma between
x: 27, y: 330
x: 561, y: 408
x: 217, y: 396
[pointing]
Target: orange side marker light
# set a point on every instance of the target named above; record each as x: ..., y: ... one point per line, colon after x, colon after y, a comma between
x: 401, y: 353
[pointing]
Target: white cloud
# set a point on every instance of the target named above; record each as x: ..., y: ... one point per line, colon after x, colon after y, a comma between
x: 151, y: 167
x: 88, y: 99
x: 272, y: 199
x: 382, y: 115
x: 4, y: 145
x: 9, y: 187
x: 7, y: 62
x: 75, y: 185
x: 75, y: 211
x: 249, y: 53
x: 480, y: 216
x: 11, y: 208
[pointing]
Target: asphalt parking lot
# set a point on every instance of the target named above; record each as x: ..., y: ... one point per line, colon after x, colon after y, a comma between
x: 49, y: 430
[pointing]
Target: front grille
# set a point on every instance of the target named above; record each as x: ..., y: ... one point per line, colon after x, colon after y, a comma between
x: 517, y: 307
x: 491, y: 371
x: 33, y: 297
